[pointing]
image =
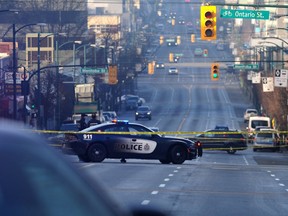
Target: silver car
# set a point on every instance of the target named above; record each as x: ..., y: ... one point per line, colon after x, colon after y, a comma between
x: 266, y: 139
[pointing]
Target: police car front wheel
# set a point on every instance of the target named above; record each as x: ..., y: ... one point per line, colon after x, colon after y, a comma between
x: 97, y: 152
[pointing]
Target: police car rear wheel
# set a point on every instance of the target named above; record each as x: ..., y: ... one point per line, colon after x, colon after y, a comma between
x: 97, y: 152
x: 178, y: 154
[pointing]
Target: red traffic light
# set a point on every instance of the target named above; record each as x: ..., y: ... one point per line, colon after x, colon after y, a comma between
x: 208, y: 14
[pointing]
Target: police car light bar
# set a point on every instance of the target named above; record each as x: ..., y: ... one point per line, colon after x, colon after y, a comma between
x: 120, y: 121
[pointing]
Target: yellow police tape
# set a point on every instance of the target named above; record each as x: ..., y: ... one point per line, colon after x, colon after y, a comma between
x: 158, y: 132
x: 248, y: 140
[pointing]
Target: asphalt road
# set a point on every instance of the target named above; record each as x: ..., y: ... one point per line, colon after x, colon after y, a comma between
x: 246, y: 183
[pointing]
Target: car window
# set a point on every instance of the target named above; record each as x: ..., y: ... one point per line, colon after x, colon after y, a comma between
x: 116, y: 128
x: 136, y: 128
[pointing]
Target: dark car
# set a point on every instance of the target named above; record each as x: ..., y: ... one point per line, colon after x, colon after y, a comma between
x: 37, y: 180
x: 160, y: 65
x: 98, y: 142
x: 56, y: 139
x: 143, y: 112
x: 224, y: 140
x: 132, y: 102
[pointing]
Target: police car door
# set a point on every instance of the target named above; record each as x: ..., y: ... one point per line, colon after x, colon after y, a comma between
x: 141, y: 144
x: 116, y: 143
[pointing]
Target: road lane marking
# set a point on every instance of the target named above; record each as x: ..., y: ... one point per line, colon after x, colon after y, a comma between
x: 282, y: 185
x: 154, y: 192
x: 245, y: 160
x: 171, y: 175
x: 145, y: 202
x: 166, y: 179
x: 162, y: 185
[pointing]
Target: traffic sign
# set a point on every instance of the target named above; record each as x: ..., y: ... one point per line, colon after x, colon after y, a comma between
x: 178, y: 54
x: 245, y: 14
x: 246, y: 66
x: 280, y: 76
x: 94, y: 70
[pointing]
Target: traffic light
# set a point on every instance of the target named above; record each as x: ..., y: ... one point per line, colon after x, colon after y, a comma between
x: 112, y: 74
x: 214, y: 71
x: 173, y: 22
x: 193, y: 38
x: 208, y: 22
x: 171, y: 57
x: 150, y: 68
x: 161, y: 40
x: 178, y: 40
x: 205, y: 53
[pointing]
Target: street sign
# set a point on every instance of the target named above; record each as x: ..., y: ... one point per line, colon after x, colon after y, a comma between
x: 280, y: 78
x: 246, y: 66
x: 94, y: 70
x: 178, y: 54
x: 245, y: 14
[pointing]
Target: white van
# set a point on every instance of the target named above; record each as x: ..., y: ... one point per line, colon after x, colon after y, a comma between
x: 255, y: 121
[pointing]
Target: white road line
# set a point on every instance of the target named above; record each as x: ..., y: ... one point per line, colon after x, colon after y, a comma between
x: 175, y: 171
x: 162, y: 185
x: 277, y: 179
x: 166, y: 179
x: 170, y: 175
x: 245, y: 160
x: 145, y: 202
x: 154, y: 192
x: 272, y: 175
x: 282, y: 185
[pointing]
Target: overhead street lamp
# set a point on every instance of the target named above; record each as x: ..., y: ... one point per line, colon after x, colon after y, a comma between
x: 74, y: 56
x: 57, y: 62
x: 39, y: 39
x: 15, y: 64
x: 276, y: 45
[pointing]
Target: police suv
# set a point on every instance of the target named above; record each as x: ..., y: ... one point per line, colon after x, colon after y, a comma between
x: 121, y: 139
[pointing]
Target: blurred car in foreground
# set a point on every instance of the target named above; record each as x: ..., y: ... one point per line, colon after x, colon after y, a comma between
x: 136, y: 141
x: 224, y: 140
x: 37, y: 180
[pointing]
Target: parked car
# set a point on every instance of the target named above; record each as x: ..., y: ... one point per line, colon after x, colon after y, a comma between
x: 248, y: 113
x: 266, y: 139
x: 255, y: 121
x: 224, y: 140
x: 111, y: 114
x: 132, y: 103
